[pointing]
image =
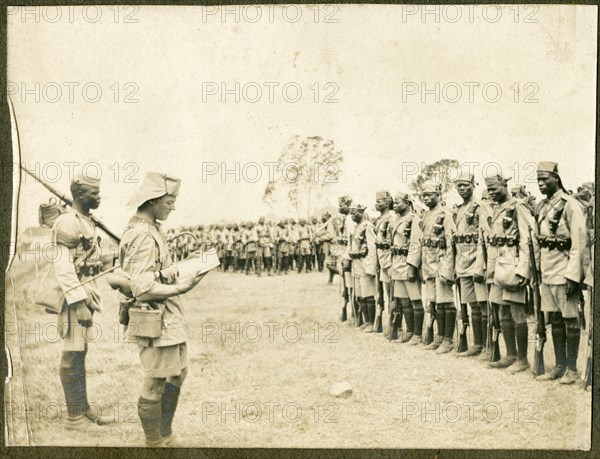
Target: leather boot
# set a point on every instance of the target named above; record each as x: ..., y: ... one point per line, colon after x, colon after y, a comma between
x: 573, y: 338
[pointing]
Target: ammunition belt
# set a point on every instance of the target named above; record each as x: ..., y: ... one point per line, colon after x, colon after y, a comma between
x: 382, y: 245
x: 552, y: 243
x: 303, y: 239
x: 358, y: 255
x: 402, y: 251
x: 90, y: 270
x: 433, y: 243
x: 466, y: 238
x: 342, y: 241
x: 500, y: 241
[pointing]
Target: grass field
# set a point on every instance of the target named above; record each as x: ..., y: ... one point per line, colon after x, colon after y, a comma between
x: 265, y: 381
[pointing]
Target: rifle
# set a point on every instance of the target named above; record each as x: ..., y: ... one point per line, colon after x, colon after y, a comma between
x: 463, y: 345
x: 69, y: 202
x: 581, y: 310
x: 492, y: 342
x: 380, y: 305
x: 587, y: 380
x: 540, y: 335
x: 429, y: 336
x: 393, y: 315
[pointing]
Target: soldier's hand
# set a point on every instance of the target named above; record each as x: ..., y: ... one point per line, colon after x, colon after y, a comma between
x: 190, y: 282
x: 522, y: 281
x: 446, y: 281
x: 412, y: 273
x: 84, y: 315
x: 170, y: 273
x: 572, y: 288
x: 478, y: 279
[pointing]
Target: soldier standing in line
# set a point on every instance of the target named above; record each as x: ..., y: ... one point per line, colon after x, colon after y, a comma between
x: 77, y: 259
x: 304, y: 238
x: 238, y: 248
x: 324, y: 235
x: 509, y: 267
x: 383, y: 242
x: 407, y: 231
x: 470, y: 215
x: 562, y: 239
x: 265, y: 247
x: 344, y: 260
x: 293, y: 239
x: 315, y: 247
x: 364, y: 265
x: 145, y: 258
x: 438, y: 266
x: 250, y: 240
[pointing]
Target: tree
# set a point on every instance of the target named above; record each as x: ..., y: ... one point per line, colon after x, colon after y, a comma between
x: 440, y: 172
x: 306, y: 168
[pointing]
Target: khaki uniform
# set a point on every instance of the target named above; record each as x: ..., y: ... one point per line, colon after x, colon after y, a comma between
x: 437, y: 259
x: 507, y: 248
x: 471, y: 220
x: 143, y: 252
x: 562, y: 239
x: 407, y: 232
x: 77, y: 259
x: 364, y: 259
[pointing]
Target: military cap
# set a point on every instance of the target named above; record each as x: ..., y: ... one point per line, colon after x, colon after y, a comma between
x: 84, y: 179
x: 344, y: 200
x: 383, y: 195
x: 588, y: 185
x: 400, y: 195
x: 465, y: 176
x: 327, y: 215
x: 548, y: 166
x: 494, y: 179
x: 431, y: 187
x: 358, y: 207
x: 154, y: 186
x: 518, y: 188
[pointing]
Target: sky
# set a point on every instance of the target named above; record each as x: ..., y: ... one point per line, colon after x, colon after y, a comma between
x: 196, y: 91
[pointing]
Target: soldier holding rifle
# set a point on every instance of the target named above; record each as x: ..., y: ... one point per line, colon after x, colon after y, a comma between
x: 364, y: 265
x: 344, y: 260
x: 383, y: 242
x: 438, y: 266
x: 78, y: 259
x: 407, y: 231
x: 470, y: 215
x: 562, y: 239
x: 510, y: 269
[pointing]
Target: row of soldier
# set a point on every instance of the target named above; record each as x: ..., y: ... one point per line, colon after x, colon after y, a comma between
x: 261, y: 247
x: 487, y: 256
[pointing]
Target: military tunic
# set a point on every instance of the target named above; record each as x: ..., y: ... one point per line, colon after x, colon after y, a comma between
x: 562, y: 239
x: 364, y: 259
x: 407, y: 232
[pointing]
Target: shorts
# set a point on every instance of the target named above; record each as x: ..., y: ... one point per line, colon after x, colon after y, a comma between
x: 438, y: 292
x: 162, y: 362
x: 471, y: 291
x: 554, y: 299
x: 364, y: 286
x: 75, y: 337
x: 499, y: 295
x: 406, y: 289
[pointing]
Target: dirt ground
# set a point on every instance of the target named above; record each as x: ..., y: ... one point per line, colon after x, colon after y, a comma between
x: 263, y: 354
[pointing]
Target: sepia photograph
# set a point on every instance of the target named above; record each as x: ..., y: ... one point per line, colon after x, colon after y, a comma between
x: 339, y: 226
